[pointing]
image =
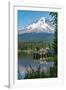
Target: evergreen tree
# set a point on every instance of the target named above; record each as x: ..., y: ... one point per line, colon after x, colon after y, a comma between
x: 55, y: 23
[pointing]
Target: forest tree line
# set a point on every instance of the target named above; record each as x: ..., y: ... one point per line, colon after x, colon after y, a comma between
x: 32, y: 45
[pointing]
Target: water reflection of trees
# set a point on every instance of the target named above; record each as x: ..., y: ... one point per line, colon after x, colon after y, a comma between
x: 33, y: 73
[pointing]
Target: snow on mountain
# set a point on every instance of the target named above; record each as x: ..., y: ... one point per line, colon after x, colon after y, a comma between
x: 42, y: 25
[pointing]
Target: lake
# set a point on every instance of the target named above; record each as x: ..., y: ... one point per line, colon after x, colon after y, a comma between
x: 26, y: 64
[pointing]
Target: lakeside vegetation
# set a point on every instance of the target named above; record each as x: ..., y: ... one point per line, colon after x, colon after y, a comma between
x: 31, y: 45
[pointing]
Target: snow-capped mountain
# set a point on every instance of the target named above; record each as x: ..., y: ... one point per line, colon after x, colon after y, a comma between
x: 43, y: 25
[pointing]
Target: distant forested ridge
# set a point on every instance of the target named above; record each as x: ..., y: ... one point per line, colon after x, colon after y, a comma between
x: 36, y: 37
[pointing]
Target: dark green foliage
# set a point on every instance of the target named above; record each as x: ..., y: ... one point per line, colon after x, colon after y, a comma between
x: 34, y: 75
x: 54, y: 70
x: 31, y: 45
x: 55, y: 22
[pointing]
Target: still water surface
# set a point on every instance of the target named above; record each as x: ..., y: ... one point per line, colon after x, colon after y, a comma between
x: 26, y: 61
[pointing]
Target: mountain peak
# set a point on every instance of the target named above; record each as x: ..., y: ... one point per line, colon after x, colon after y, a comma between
x: 42, y: 25
x: 42, y: 19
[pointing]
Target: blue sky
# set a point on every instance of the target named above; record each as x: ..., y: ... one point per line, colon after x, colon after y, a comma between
x: 27, y: 17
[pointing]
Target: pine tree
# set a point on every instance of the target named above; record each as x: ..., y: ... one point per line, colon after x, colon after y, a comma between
x: 55, y: 23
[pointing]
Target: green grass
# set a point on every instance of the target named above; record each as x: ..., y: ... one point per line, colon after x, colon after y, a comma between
x: 51, y: 58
